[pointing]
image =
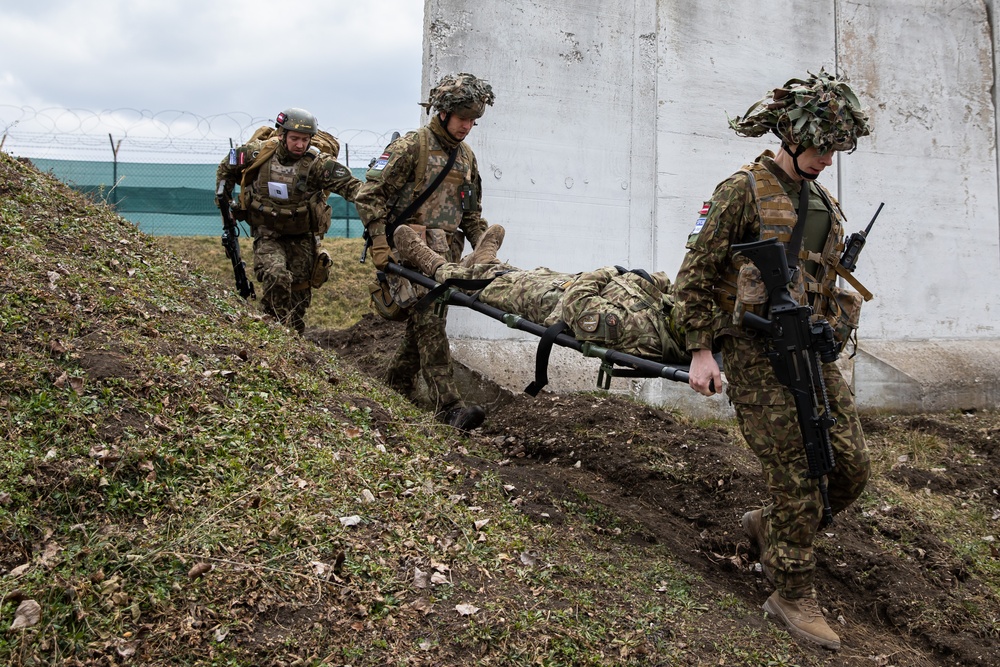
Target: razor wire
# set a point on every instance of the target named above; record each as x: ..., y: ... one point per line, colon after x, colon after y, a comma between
x: 141, y: 135
x: 158, y: 168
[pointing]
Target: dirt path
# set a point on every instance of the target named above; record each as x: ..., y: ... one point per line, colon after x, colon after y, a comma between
x: 904, y: 595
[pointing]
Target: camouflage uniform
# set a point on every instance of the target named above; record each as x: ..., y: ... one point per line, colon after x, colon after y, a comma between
x: 622, y: 311
x: 451, y: 214
x: 709, y: 277
x: 287, y: 230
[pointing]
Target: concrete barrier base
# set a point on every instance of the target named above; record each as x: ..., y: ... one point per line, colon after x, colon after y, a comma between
x: 900, y: 376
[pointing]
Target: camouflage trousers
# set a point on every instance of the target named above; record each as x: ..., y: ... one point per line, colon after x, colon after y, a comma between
x: 535, y: 295
x: 283, y: 265
x: 425, y: 350
x: 766, y: 413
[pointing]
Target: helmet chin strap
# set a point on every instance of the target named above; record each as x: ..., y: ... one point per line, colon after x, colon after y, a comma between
x: 444, y: 124
x: 795, y: 160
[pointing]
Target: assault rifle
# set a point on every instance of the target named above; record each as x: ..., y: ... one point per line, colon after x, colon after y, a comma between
x: 799, y: 345
x: 230, y: 241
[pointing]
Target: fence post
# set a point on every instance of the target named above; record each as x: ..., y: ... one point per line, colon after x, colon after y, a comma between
x: 114, y: 171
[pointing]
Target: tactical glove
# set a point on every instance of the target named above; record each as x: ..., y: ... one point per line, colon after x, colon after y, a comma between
x: 381, y: 253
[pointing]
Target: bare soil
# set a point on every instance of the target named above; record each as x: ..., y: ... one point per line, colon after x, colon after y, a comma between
x: 902, y: 595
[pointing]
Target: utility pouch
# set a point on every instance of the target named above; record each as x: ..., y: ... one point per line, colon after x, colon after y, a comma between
x: 467, y: 195
x: 382, y: 300
x: 845, y: 313
x: 403, y: 293
x: 751, y: 293
x: 321, y: 269
x: 321, y: 212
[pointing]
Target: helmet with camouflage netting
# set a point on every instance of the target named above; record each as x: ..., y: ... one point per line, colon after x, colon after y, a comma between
x: 297, y: 120
x: 820, y: 111
x: 463, y: 94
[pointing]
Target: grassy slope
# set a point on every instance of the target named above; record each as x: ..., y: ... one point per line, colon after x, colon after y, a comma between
x: 156, y: 428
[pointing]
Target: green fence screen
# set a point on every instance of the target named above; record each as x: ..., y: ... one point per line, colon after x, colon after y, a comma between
x: 171, y: 199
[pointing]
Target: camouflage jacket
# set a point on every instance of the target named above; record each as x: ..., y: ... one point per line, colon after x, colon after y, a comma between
x: 307, y: 179
x: 622, y: 311
x: 730, y: 217
x: 392, y: 184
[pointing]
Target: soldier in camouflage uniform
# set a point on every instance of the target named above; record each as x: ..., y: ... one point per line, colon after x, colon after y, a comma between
x: 452, y: 213
x: 284, y: 186
x: 813, y: 118
x: 628, y: 311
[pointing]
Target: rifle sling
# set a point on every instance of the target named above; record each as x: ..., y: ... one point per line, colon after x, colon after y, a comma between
x: 421, y: 198
x: 542, y: 358
x: 795, y: 243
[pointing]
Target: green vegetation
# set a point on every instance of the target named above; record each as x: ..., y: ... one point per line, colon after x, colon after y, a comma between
x: 186, y: 483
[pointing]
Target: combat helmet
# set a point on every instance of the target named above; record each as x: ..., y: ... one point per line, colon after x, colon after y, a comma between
x: 462, y: 93
x: 296, y: 120
x: 820, y: 111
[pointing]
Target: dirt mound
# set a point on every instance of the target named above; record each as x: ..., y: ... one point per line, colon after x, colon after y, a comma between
x: 904, y: 595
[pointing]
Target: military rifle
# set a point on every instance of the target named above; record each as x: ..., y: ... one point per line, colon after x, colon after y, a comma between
x: 799, y: 344
x: 230, y: 241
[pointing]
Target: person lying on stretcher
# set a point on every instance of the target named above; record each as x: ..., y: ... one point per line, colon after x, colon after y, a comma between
x: 628, y: 311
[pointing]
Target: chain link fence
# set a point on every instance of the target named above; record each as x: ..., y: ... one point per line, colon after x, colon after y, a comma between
x: 158, y: 169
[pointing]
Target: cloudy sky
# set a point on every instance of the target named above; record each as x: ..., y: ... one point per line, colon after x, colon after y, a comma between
x: 356, y: 64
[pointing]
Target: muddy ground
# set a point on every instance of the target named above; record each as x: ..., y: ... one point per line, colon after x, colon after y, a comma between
x: 900, y: 601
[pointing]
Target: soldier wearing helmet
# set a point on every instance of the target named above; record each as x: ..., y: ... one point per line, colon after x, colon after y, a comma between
x: 814, y: 119
x: 285, y: 181
x: 429, y: 180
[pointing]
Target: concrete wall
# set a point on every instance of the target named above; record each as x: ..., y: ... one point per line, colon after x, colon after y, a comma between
x: 609, y: 131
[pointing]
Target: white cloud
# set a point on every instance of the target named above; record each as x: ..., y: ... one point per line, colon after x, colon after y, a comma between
x: 356, y: 64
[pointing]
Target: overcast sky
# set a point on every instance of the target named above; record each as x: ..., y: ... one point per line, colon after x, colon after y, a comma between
x: 355, y: 64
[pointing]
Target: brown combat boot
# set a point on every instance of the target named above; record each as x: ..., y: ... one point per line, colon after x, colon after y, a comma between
x: 489, y: 245
x: 755, y: 526
x: 803, y: 619
x: 412, y: 248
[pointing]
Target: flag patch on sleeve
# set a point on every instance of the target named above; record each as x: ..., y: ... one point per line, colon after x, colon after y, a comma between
x: 381, y: 162
x: 702, y: 216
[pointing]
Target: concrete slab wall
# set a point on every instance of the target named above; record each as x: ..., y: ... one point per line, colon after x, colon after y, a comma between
x: 609, y: 131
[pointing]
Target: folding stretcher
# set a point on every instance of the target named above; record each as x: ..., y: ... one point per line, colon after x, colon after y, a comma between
x: 613, y: 363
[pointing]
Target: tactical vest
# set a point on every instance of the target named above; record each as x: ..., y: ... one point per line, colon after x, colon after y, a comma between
x: 444, y: 208
x: 298, y: 213
x: 740, y: 288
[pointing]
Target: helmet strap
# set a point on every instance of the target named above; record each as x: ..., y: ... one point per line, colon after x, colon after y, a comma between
x: 444, y: 126
x: 795, y: 160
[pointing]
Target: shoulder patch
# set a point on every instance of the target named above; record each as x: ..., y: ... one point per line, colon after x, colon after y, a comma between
x: 706, y: 208
x: 589, y: 322
x: 382, y: 160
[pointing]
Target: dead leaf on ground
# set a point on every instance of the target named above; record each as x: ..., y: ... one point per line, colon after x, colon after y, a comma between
x: 198, y: 570
x: 466, y: 609
x: 28, y: 614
